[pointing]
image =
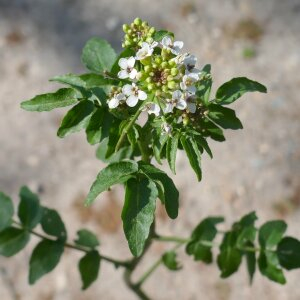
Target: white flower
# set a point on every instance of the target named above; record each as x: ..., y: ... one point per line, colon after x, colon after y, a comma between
x: 167, y: 128
x: 115, y: 101
x: 176, y: 101
x: 127, y: 68
x: 188, y: 81
x: 134, y: 94
x: 146, y: 50
x: 179, y: 59
x: 173, y: 47
x: 190, y: 62
x: 191, y: 104
x: 152, y: 108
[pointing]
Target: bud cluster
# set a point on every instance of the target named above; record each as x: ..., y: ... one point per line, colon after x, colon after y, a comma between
x: 136, y: 33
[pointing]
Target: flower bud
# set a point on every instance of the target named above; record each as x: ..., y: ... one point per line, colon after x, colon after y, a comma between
x: 174, y: 71
x: 137, y: 21
x: 150, y: 86
x: 126, y: 27
x: 172, y: 85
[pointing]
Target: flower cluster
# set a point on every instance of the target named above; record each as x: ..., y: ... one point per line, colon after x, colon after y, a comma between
x: 159, y: 73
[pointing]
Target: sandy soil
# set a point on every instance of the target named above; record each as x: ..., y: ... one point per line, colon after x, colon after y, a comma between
x: 257, y: 168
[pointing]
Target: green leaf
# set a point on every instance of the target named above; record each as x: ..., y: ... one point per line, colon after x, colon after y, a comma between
x: 170, y: 261
x: 98, y: 55
x: 44, y: 258
x: 170, y: 192
x: 288, y: 252
x: 271, y: 233
x: 230, y: 257
x: 211, y: 130
x: 203, y: 143
x: 204, y: 88
x: 114, y: 173
x: 87, y: 238
x: 251, y: 261
x: 84, y: 81
x: 52, y: 224
x: 89, y: 267
x: 46, y: 102
x: 205, y: 232
x: 76, y: 118
x: 269, y: 266
x: 172, y: 145
x: 159, y: 141
x: 193, y: 154
x: 224, y: 117
x: 160, y: 34
x: 6, y: 211
x: 13, y: 240
x: 138, y: 212
x: 94, y: 129
x: 29, y: 211
x: 235, y: 88
x: 124, y: 153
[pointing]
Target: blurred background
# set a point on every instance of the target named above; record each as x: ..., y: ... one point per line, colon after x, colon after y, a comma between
x: 257, y: 168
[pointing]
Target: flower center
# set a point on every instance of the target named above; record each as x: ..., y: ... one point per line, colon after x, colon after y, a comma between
x: 160, y: 76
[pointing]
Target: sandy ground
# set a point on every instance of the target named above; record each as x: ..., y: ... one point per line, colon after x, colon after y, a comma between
x: 257, y: 168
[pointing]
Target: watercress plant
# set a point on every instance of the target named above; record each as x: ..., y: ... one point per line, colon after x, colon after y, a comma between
x: 141, y: 107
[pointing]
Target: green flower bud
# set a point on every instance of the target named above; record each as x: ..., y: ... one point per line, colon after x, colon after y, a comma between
x: 158, y: 93
x: 150, y: 86
x: 137, y: 21
x: 126, y: 27
x: 170, y: 78
x: 158, y: 60
x: 164, y: 64
x: 127, y: 43
x: 144, y: 24
x: 148, y: 80
x: 147, y: 68
x: 146, y: 61
x: 172, y: 85
x: 151, y: 30
x: 149, y: 40
x: 174, y: 71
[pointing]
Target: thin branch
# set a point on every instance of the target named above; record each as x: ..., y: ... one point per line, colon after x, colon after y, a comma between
x: 117, y: 263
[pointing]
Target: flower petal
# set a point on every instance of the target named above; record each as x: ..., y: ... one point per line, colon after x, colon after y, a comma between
x: 178, y: 44
x: 133, y: 73
x: 113, y: 103
x: 132, y: 101
x: 130, y: 62
x: 177, y: 95
x: 168, y: 108
x: 123, y: 74
x: 191, y: 107
x: 166, y: 41
x: 181, y: 104
x: 191, y: 89
x: 127, y: 89
x: 123, y: 63
x: 120, y: 96
x: 142, y: 95
x: 154, y: 109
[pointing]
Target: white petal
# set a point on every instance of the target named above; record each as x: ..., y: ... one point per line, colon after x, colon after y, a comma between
x: 166, y: 41
x: 154, y: 44
x: 175, y: 50
x: 191, y: 106
x: 193, y: 76
x: 127, y: 89
x: 176, y: 94
x: 154, y: 109
x: 133, y: 73
x: 178, y: 44
x: 123, y: 74
x: 181, y: 104
x: 142, y: 95
x: 130, y: 62
x: 132, y: 101
x: 113, y: 103
x: 123, y: 63
x: 168, y: 108
x: 182, y: 85
x: 190, y: 60
x: 120, y: 96
x: 191, y: 89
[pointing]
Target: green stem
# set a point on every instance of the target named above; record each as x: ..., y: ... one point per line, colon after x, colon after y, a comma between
x: 174, y: 239
x: 153, y: 268
x: 128, y: 126
x: 117, y: 263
